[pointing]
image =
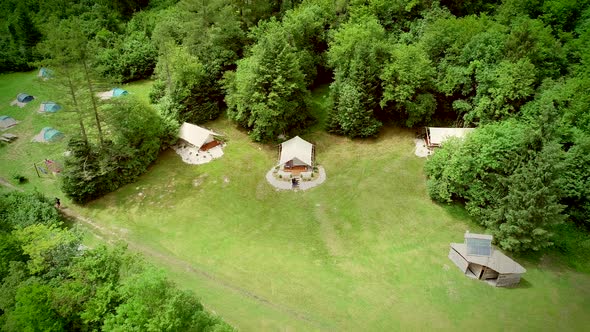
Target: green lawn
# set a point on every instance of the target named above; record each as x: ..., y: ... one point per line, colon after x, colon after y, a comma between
x: 367, y: 250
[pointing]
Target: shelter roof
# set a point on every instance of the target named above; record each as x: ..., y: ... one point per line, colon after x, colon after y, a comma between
x: 478, y: 236
x: 298, y: 148
x: 194, y: 134
x: 438, y: 135
x: 497, y: 261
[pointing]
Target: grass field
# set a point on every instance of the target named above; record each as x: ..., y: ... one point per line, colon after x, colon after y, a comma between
x: 364, y: 251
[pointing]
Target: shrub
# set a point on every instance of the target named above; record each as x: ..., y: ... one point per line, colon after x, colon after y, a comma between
x: 20, y: 179
x: 19, y: 210
x: 132, y: 57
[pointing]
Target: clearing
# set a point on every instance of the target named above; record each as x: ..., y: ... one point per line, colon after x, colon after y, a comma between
x: 366, y: 250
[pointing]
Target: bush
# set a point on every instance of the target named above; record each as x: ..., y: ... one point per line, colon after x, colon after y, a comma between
x: 19, y: 210
x: 132, y: 57
x: 20, y: 179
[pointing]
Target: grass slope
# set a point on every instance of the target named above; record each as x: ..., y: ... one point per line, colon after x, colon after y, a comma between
x: 364, y: 251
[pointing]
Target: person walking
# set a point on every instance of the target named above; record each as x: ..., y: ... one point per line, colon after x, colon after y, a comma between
x: 57, y: 203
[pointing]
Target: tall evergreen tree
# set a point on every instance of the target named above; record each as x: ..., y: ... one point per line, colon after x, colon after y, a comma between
x: 267, y: 94
x: 357, y: 51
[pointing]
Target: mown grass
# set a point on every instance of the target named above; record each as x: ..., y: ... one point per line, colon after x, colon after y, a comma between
x: 367, y: 250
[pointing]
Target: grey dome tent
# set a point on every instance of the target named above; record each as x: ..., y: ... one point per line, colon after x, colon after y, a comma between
x: 24, y: 98
x: 51, y: 135
x: 7, y: 122
x: 45, y: 73
x: 49, y: 107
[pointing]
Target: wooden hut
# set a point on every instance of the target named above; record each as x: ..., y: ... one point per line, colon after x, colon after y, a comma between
x: 478, y: 259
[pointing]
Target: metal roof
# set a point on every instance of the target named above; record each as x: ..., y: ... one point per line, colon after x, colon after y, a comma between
x: 497, y: 261
x: 298, y: 148
x: 478, y: 236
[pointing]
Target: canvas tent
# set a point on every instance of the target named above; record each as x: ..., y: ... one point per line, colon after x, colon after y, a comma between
x: 24, y: 98
x: 198, y: 136
x: 435, y: 136
x: 49, y: 107
x: 478, y: 259
x: 7, y: 122
x: 296, y: 153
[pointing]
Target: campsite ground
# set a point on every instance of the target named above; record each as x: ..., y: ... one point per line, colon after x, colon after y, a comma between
x: 364, y: 251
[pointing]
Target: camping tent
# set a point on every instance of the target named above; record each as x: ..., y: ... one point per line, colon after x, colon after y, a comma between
x: 119, y: 92
x: 296, y: 152
x: 24, y: 98
x: 7, y: 122
x: 197, y: 136
x: 49, y: 107
x: 116, y: 92
x: 51, y: 135
x: 44, y: 73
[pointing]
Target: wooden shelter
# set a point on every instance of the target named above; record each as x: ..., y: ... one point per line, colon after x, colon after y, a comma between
x: 296, y: 155
x: 435, y: 136
x: 478, y: 259
x: 201, y: 138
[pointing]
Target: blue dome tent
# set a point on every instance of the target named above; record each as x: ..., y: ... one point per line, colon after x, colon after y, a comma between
x: 51, y: 135
x: 119, y: 92
x: 112, y: 93
x: 24, y: 98
x: 49, y: 107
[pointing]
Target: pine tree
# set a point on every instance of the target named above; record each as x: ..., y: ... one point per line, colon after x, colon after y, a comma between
x: 267, y: 94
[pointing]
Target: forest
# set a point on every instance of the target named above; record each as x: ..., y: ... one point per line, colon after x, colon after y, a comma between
x: 517, y: 70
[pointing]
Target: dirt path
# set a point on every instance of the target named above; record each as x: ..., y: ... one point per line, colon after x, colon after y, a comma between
x: 111, y: 236
x: 7, y: 184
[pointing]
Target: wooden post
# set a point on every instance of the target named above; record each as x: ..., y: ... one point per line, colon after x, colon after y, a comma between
x: 36, y: 170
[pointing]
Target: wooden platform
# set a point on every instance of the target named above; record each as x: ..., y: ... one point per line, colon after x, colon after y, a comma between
x: 210, y: 145
x: 295, y: 170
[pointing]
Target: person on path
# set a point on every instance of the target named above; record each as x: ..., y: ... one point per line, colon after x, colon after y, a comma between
x: 57, y: 203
